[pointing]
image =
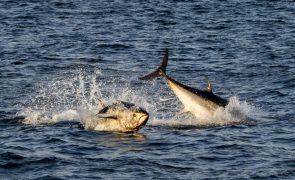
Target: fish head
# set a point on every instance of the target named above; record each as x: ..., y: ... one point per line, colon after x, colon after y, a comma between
x: 130, y: 117
x: 138, y: 120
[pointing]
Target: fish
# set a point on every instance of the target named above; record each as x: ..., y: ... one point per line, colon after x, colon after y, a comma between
x: 200, y: 103
x: 120, y: 116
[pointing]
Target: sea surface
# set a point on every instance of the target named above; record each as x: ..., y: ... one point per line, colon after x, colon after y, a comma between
x: 59, y: 58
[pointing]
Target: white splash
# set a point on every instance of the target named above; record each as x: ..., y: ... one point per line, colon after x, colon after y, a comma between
x: 236, y: 112
x: 78, y: 97
x: 35, y: 117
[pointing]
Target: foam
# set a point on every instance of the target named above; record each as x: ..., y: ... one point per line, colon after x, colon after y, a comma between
x: 77, y: 97
x: 236, y: 112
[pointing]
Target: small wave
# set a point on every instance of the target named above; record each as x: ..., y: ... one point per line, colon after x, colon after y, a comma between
x: 55, y: 141
x: 10, y: 165
x: 116, y: 46
x: 17, y: 63
x: 11, y: 156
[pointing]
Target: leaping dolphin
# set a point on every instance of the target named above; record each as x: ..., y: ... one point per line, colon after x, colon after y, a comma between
x: 201, y: 103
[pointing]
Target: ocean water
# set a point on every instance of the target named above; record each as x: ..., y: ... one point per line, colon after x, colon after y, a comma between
x: 58, y: 59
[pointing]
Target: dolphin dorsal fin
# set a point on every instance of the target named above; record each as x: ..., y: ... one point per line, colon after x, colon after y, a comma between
x: 209, y: 88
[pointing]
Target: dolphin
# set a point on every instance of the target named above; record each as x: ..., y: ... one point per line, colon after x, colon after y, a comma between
x: 200, y: 103
x: 118, y: 117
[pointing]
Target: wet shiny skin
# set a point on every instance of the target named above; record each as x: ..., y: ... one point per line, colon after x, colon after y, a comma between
x: 125, y: 122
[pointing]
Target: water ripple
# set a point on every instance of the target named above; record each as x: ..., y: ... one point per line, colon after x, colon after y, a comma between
x: 56, y: 55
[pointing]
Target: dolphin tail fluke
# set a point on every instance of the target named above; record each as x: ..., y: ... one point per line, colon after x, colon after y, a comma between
x: 161, y: 71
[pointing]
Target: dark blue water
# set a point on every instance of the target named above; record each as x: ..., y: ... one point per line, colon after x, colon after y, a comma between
x: 57, y: 56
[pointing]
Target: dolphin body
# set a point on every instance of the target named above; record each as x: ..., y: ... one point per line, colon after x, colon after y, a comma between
x: 201, y: 103
x: 118, y: 117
